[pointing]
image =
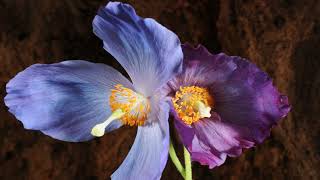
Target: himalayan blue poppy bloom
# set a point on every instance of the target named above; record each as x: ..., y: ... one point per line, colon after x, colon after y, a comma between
x: 222, y: 104
x: 77, y: 100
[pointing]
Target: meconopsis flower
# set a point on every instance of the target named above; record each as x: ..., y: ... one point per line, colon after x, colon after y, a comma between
x: 77, y: 100
x: 222, y: 104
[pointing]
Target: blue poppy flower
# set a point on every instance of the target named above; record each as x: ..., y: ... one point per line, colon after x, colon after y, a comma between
x: 77, y: 100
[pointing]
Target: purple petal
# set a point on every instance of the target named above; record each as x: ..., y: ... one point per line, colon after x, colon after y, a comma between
x: 205, y: 155
x: 248, y: 99
x: 221, y: 136
x: 202, y: 68
x: 200, y: 150
x: 149, y: 52
x: 148, y: 155
x: 63, y: 100
x: 246, y: 104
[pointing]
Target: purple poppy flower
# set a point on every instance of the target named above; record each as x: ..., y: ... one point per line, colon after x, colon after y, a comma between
x: 76, y: 100
x: 222, y: 104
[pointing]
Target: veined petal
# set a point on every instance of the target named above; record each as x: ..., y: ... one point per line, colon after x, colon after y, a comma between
x: 199, y: 148
x: 64, y: 100
x: 201, y: 68
x: 205, y: 155
x: 248, y: 101
x: 149, y: 52
x: 221, y: 136
x: 148, y: 155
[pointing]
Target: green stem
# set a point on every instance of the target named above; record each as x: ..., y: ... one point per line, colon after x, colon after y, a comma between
x: 176, y: 161
x: 187, y: 162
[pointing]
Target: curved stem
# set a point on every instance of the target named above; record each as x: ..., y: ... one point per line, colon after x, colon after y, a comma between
x: 176, y: 161
x: 187, y: 162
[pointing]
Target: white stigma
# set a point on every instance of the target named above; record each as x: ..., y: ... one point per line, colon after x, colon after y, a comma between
x: 203, y: 109
x: 98, y: 129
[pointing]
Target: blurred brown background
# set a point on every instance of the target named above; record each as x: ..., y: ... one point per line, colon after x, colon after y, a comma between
x: 280, y: 36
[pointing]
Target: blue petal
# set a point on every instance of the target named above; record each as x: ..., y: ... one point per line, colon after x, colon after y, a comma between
x: 63, y: 100
x: 149, y: 52
x: 148, y: 155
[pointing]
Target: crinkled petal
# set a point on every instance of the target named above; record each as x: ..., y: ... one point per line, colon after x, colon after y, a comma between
x: 150, y: 53
x: 247, y: 99
x: 64, y: 100
x: 246, y: 104
x: 148, y: 155
x: 221, y: 136
x: 200, y: 150
x: 201, y: 68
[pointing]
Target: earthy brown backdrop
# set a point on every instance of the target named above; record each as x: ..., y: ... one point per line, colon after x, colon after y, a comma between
x: 280, y: 36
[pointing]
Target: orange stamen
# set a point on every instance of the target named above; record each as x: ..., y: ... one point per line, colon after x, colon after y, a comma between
x: 192, y: 103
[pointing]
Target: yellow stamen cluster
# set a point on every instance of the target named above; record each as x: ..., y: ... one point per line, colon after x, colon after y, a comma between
x: 135, y: 106
x: 192, y: 103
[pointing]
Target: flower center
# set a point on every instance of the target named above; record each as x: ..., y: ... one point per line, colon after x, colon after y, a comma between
x: 130, y: 107
x: 135, y: 106
x: 192, y: 103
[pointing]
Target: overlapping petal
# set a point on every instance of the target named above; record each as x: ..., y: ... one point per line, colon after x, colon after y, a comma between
x: 246, y: 104
x: 148, y: 155
x: 149, y: 52
x: 200, y: 151
x: 63, y: 100
x: 202, y: 68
